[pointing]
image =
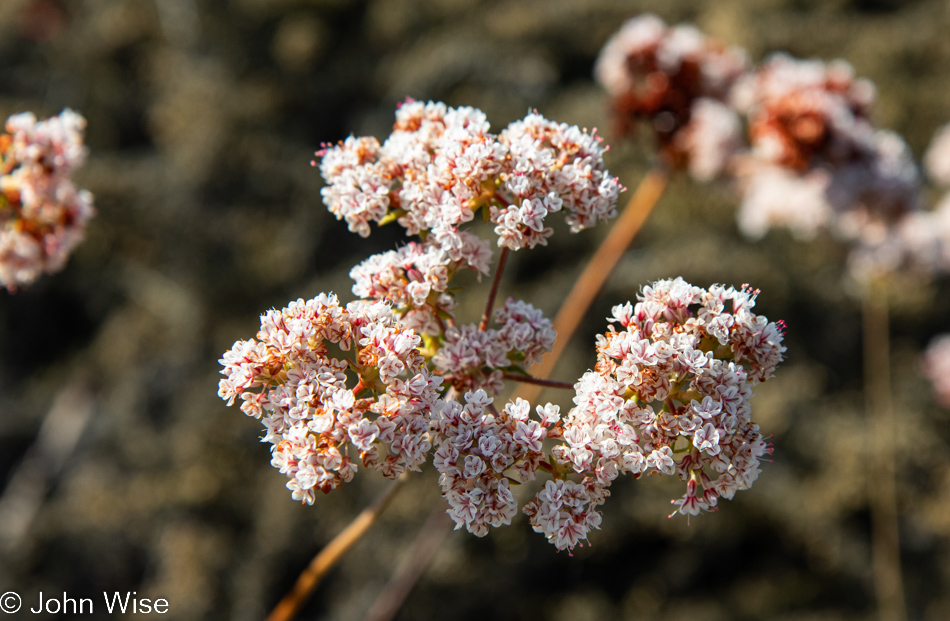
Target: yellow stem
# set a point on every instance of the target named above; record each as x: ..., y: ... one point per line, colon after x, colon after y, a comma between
x: 329, y: 555
x: 882, y: 489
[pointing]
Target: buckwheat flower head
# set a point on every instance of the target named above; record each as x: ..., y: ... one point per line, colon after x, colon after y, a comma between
x: 42, y: 214
x: 937, y: 158
x: 480, y: 451
x: 670, y: 393
x: 812, y: 143
x: 358, y: 184
x: 440, y: 165
x: 800, y: 110
x: 551, y: 166
x: 936, y: 367
x: 473, y: 359
x: 445, y: 159
x: 297, y: 377
x: 415, y: 277
x: 424, y: 174
x: 660, y: 74
x: 565, y: 511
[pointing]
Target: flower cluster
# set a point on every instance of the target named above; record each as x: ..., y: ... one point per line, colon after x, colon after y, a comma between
x: 477, y: 446
x: 552, y: 166
x: 377, y: 381
x: 811, y: 142
x: 670, y: 394
x: 290, y: 378
x: 42, y: 214
x: 936, y: 367
x: 809, y: 159
x: 415, y: 277
x: 679, y: 81
x: 802, y: 110
x: 474, y: 359
x: 440, y: 165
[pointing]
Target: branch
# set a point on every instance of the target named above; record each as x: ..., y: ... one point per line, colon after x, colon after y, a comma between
x: 329, y: 555
x: 882, y: 489
x: 527, y: 379
x: 502, y: 259
x: 420, y: 554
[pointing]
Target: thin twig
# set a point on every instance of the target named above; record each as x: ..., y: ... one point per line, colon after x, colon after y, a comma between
x: 588, y: 285
x: 882, y: 489
x: 528, y: 379
x: 329, y: 555
x: 502, y: 259
x: 420, y: 554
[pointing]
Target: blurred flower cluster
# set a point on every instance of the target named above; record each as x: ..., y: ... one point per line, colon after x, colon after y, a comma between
x: 795, y: 140
x: 395, y: 374
x: 793, y: 136
x: 42, y: 214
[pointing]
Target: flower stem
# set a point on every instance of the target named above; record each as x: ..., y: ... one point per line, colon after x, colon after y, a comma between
x: 527, y: 379
x: 589, y: 283
x: 882, y: 489
x: 329, y: 555
x: 502, y: 259
x: 417, y: 559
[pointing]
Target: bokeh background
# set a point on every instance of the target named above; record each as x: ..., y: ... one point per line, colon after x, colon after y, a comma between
x: 120, y: 469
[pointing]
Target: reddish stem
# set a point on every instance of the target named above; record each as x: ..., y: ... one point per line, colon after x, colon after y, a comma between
x: 494, y: 290
x: 527, y: 379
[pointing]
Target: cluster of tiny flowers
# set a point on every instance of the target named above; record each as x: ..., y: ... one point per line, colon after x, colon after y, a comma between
x: 337, y: 385
x: 440, y: 165
x: 42, y: 214
x: 478, y: 450
x: 553, y: 166
x: 812, y: 143
x: 803, y: 110
x: 289, y: 378
x: 670, y: 394
x: 679, y: 81
x: 565, y: 511
x: 936, y: 367
x: 808, y: 158
x: 474, y: 359
x: 414, y: 279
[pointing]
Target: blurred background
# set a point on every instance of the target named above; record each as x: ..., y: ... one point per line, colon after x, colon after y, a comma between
x: 120, y: 469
